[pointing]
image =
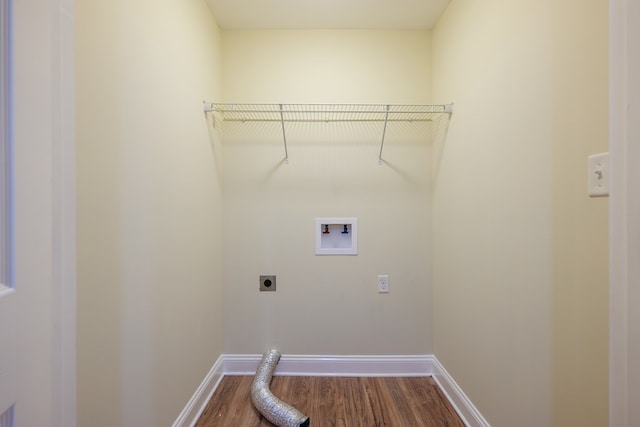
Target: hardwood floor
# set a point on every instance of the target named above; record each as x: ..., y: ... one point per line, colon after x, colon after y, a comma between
x: 336, y: 401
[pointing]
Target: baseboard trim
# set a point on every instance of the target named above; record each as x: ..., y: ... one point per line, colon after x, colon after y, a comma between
x: 202, y: 395
x: 458, y: 399
x: 333, y: 366
x: 323, y: 365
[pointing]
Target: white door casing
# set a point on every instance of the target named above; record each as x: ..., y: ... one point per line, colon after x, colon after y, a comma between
x: 6, y: 258
x: 624, y: 120
x: 37, y: 317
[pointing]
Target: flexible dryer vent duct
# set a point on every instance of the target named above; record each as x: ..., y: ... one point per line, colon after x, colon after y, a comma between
x: 272, y: 408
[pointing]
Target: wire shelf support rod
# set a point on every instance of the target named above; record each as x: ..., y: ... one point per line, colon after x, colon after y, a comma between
x: 384, y: 132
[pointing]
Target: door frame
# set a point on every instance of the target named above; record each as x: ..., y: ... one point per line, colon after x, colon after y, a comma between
x: 64, y: 213
x: 624, y: 221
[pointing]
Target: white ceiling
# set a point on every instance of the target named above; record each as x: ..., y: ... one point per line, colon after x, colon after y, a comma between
x: 327, y: 14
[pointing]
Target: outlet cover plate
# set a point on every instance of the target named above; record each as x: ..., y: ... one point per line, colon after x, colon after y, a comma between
x: 383, y: 284
x: 267, y: 283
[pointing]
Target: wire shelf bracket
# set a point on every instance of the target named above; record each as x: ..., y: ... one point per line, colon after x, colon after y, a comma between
x: 327, y: 113
x: 284, y: 135
x: 384, y: 133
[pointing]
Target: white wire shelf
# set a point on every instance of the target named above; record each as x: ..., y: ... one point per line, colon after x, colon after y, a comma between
x: 327, y: 113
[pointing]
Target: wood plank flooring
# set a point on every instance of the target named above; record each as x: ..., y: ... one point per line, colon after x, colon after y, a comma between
x: 336, y: 401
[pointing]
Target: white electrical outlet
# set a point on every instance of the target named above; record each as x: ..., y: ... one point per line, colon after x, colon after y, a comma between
x: 383, y: 284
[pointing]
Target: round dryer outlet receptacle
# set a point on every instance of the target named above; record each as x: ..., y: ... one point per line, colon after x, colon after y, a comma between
x: 267, y: 283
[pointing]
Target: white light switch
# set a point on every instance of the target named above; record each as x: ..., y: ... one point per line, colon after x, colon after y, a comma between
x: 599, y: 175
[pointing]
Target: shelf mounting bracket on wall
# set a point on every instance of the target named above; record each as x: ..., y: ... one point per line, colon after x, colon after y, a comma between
x: 328, y: 113
x: 284, y: 135
x: 384, y: 132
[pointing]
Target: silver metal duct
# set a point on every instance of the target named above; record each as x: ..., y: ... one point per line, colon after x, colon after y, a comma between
x: 272, y: 408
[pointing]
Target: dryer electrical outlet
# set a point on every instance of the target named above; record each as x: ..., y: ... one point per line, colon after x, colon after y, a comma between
x: 268, y: 283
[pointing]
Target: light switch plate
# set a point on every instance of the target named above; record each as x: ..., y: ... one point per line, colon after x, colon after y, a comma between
x: 599, y: 175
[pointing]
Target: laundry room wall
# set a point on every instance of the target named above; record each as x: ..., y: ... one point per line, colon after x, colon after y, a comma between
x: 520, y: 284
x: 327, y: 304
x: 149, y: 209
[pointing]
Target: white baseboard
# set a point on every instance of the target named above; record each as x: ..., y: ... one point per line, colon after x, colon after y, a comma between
x: 202, y: 395
x: 458, y: 399
x: 333, y: 366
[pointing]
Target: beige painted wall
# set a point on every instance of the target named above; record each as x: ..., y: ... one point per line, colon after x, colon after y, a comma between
x: 327, y: 304
x: 149, y: 214
x: 522, y: 326
x: 327, y: 66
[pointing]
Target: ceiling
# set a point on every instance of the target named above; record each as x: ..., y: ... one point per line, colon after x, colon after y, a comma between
x: 327, y: 14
